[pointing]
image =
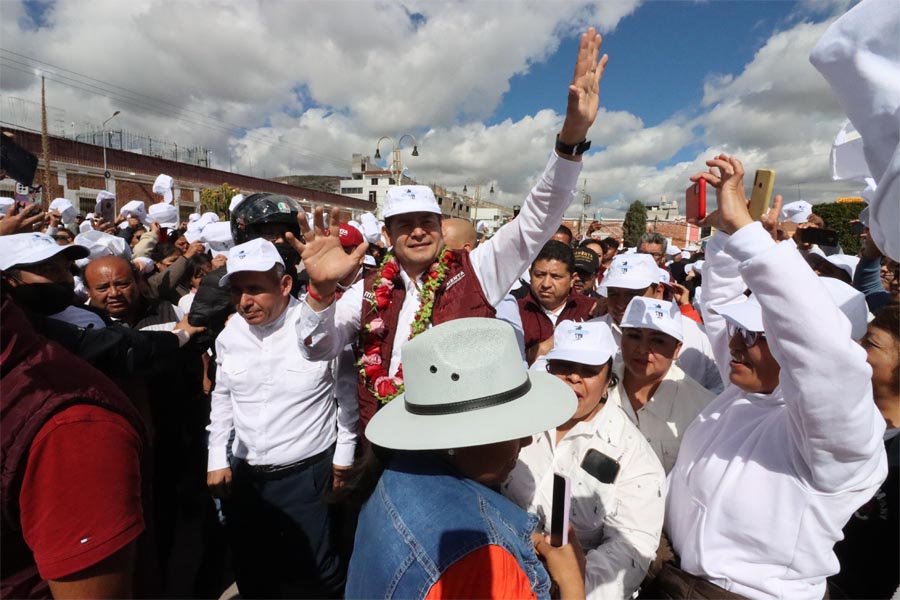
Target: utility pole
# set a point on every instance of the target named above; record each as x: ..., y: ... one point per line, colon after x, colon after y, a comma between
x: 45, y: 146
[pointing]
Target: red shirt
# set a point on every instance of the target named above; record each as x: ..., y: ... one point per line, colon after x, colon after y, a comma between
x: 81, y: 497
x: 488, y: 572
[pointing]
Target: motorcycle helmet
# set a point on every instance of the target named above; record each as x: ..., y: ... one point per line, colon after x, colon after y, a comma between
x: 258, y: 209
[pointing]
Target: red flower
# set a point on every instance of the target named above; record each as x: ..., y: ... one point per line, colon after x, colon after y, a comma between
x: 385, y: 387
x: 433, y: 274
x: 390, y: 271
x: 374, y: 371
x: 373, y: 348
x: 382, y: 297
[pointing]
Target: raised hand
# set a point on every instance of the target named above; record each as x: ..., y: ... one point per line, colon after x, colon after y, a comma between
x: 323, y: 257
x: 22, y: 222
x: 584, y: 91
x: 726, y: 174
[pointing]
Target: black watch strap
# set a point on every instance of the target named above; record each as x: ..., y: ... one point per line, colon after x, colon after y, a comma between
x: 572, y: 149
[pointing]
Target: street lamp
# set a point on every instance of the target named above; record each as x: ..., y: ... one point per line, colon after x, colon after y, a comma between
x: 396, y: 168
x: 477, y: 197
x: 105, y: 171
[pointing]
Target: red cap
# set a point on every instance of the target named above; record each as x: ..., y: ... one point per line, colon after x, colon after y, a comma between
x: 350, y: 236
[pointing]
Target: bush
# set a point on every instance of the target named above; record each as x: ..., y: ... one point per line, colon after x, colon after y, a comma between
x: 837, y: 215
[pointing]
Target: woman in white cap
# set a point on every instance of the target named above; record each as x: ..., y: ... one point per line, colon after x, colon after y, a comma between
x: 769, y: 473
x: 432, y: 527
x: 618, y: 485
x: 656, y: 395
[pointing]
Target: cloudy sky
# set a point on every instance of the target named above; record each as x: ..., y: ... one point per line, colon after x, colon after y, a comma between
x: 297, y: 86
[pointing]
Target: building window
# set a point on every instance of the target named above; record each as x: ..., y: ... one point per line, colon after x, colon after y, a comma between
x: 185, y: 211
x: 86, y: 205
x: 440, y: 201
x: 374, y: 181
x: 392, y: 181
x: 467, y: 209
x: 372, y: 196
x: 352, y: 191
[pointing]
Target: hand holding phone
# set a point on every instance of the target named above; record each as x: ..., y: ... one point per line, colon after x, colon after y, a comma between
x: 559, y: 519
x: 763, y: 184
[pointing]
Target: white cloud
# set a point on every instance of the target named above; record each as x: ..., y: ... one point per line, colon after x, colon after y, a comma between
x: 300, y: 86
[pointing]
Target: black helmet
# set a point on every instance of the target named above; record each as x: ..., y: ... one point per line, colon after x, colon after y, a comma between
x: 257, y: 209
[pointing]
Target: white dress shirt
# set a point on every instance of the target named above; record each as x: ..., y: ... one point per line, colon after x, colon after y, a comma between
x: 618, y: 524
x: 280, y: 404
x: 663, y: 420
x: 497, y: 263
x: 764, y: 483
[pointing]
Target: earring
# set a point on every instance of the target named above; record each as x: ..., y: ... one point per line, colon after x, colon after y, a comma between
x: 451, y: 451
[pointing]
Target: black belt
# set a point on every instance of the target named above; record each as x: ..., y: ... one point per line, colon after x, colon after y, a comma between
x: 276, y: 471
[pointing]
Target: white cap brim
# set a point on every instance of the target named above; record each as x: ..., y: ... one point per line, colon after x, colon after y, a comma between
x: 746, y: 314
x: 580, y: 356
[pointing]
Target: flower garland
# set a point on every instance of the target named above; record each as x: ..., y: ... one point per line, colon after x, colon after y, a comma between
x: 373, y: 371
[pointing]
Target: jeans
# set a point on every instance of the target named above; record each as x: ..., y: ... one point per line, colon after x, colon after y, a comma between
x: 280, y: 529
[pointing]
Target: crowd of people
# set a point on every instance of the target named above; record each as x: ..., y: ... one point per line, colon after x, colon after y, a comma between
x: 315, y: 408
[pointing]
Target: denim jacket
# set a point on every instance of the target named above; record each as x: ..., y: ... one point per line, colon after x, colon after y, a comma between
x: 422, y: 518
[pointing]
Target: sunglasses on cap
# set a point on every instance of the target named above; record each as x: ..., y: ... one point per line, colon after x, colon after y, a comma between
x: 750, y: 338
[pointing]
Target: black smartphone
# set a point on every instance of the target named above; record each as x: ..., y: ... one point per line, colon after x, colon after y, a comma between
x: 857, y: 228
x: 600, y: 466
x: 18, y: 163
x: 559, y: 518
x: 821, y: 237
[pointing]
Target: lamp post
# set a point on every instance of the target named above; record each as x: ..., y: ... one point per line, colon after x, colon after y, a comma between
x: 396, y: 168
x: 478, y: 198
x: 105, y: 170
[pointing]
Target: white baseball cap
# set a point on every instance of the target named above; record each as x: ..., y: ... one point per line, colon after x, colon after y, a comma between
x: 844, y: 261
x: 796, y: 212
x: 257, y: 255
x: 163, y: 186
x: 748, y: 313
x: 217, y: 236
x: 630, y: 271
x: 21, y: 249
x: 164, y: 214
x: 403, y: 199
x: 587, y: 343
x: 235, y: 202
x: 65, y: 208
x: 101, y: 244
x: 672, y: 250
x: 650, y: 313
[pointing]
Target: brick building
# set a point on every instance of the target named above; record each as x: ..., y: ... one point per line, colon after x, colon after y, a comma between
x: 77, y: 169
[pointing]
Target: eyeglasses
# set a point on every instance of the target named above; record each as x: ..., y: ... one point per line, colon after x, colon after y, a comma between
x: 750, y: 338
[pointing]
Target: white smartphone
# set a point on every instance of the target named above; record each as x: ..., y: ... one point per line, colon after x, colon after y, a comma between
x: 559, y: 518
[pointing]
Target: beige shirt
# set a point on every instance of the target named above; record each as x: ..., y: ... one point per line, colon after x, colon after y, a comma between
x: 677, y: 402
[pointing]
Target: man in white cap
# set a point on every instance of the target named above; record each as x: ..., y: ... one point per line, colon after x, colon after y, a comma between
x: 658, y: 397
x: 424, y: 283
x: 617, y: 483
x: 281, y: 408
x: 769, y: 473
x: 633, y: 275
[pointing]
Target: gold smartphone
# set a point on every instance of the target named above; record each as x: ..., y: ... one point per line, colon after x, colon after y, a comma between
x: 761, y: 196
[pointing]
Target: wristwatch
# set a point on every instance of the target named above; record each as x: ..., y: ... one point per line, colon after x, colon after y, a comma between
x: 572, y: 149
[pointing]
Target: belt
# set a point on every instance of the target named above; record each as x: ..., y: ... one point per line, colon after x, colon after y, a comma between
x: 276, y: 471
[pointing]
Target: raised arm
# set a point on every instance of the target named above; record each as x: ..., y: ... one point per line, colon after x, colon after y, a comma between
x: 505, y: 256
x: 825, y: 379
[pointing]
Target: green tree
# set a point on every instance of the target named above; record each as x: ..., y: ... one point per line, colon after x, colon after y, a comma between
x: 837, y: 215
x: 217, y: 199
x: 635, y: 224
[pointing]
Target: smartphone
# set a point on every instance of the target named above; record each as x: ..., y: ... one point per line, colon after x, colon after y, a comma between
x: 820, y: 237
x: 763, y: 184
x: 695, y: 201
x: 18, y: 163
x: 108, y: 210
x: 857, y: 228
x: 559, y: 519
x: 601, y: 467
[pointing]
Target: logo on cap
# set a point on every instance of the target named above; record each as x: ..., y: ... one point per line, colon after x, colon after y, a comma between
x: 283, y: 207
x: 241, y: 254
x: 657, y: 310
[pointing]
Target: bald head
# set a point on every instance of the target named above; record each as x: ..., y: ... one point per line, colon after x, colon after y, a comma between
x: 459, y: 234
x: 112, y: 286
